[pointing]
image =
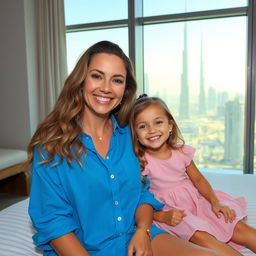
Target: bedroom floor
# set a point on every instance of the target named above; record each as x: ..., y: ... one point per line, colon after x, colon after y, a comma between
x: 7, y: 200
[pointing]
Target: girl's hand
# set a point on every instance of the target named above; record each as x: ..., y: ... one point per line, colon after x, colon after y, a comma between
x: 173, y: 217
x: 229, y: 214
x: 140, y: 244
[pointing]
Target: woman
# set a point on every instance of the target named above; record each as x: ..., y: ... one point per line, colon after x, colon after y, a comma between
x: 86, y: 194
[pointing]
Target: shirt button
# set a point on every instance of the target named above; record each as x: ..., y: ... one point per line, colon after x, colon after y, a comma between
x: 119, y: 218
x: 107, y: 157
x: 116, y: 203
x: 112, y: 176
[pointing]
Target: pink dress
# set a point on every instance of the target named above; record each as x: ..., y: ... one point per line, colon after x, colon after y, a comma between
x: 171, y: 185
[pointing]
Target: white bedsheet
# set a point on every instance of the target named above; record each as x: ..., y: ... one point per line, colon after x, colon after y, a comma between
x: 16, y: 231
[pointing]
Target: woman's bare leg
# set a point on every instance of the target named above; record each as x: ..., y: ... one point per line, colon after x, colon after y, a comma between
x: 167, y: 245
x: 206, y: 240
x: 245, y: 235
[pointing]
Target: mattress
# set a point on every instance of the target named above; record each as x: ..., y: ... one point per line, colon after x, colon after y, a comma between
x: 16, y: 231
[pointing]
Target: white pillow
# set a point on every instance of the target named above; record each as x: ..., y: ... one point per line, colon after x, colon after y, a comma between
x: 16, y: 231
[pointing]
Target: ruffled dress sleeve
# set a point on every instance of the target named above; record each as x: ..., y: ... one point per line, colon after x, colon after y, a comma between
x: 49, y: 208
x: 189, y: 153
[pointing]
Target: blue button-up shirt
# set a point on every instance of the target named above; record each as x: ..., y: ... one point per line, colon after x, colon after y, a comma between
x: 96, y: 201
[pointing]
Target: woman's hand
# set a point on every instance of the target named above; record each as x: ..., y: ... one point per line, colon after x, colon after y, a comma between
x: 229, y: 214
x: 140, y: 244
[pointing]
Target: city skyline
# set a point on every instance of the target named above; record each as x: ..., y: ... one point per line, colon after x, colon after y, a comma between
x: 218, y: 135
x: 213, y: 72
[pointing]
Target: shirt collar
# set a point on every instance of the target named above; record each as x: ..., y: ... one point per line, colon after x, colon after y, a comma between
x: 116, y: 126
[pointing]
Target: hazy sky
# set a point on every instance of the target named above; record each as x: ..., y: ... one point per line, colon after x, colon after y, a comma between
x: 223, y: 41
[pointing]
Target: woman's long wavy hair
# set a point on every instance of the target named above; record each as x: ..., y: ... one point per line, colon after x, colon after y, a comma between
x: 59, y: 132
x: 175, y: 140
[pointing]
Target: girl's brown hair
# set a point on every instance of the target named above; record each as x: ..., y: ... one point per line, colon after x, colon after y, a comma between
x: 59, y: 132
x: 175, y: 140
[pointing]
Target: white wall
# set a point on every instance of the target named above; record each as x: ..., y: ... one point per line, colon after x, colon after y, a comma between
x: 18, y: 72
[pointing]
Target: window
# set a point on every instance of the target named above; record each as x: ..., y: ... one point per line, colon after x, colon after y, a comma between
x: 87, y: 11
x: 163, y: 7
x: 78, y: 42
x: 196, y: 60
x: 200, y: 73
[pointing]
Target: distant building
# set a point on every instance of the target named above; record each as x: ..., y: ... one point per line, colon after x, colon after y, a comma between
x: 201, y: 102
x: 221, y: 111
x: 184, y: 92
x: 211, y: 99
x: 233, y: 132
x: 222, y: 98
x: 146, y: 84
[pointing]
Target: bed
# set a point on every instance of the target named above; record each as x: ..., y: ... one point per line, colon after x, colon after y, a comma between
x: 16, y: 230
x: 14, y: 174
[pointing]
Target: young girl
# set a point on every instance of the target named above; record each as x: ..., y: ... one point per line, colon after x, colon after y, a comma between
x: 193, y: 211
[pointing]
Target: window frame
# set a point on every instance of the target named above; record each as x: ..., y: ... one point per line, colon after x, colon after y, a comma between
x: 135, y: 23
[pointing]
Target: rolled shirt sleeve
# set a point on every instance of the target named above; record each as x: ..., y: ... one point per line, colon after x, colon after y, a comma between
x: 50, y: 212
x: 148, y: 198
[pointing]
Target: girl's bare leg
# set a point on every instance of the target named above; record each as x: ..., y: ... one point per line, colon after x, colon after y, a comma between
x: 167, y: 245
x: 245, y: 235
x: 206, y: 240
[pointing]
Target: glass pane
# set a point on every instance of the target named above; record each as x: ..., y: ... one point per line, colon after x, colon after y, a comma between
x: 161, y: 7
x: 87, y: 11
x: 199, y: 69
x: 254, y: 159
x: 78, y: 42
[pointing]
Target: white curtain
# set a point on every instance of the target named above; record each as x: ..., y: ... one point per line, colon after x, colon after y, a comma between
x: 51, y: 52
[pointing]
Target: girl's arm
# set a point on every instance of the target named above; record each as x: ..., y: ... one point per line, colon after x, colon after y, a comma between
x: 206, y: 190
x: 172, y: 217
x: 140, y: 242
x: 68, y: 245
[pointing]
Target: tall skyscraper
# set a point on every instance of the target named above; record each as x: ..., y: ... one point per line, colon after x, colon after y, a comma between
x: 184, y: 92
x: 233, y: 132
x: 201, y: 103
x: 222, y: 98
x: 146, y: 84
x: 211, y: 99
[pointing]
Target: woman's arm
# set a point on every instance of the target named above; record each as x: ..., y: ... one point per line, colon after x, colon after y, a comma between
x: 204, y: 187
x: 140, y: 242
x: 144, y: 216
x: 68, y: 245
